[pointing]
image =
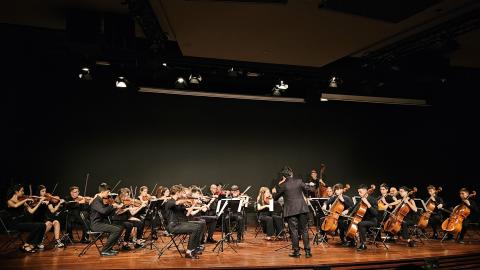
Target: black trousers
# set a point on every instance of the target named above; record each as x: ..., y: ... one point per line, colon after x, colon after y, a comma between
x: 272, y: 224
x: 211, y: 223
x: 435, y: 221
x: 129, y: 225
x: 342, y: 227
x: 74, y: 218
x: 194, y: 229
x: 404, y: 231
x: 114, y: 230
x: 363, y: 227
x: 238, y: 218
x: 36, y: 231
x: 298, y: 226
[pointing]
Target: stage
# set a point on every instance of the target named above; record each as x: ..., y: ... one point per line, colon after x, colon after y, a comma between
x: 258, y: 253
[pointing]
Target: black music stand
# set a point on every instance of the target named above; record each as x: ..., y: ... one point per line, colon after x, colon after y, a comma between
x: 418, y: 233
x: 228, y: 204
x: 66, y: 209
x: 152, y: 211
x: 319, y: 215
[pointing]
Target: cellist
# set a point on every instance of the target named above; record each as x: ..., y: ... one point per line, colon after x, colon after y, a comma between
x: 342, y: 221
x: 409, y: 219
x: 472, y: 205
x: 370, y: 217
x: 383, y: 202
x: 435, y: 219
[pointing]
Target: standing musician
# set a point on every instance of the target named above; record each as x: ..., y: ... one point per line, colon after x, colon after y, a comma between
x: 315, y: 181
x: 370, y: 217
x: 465, y: 197
x: 409, y: 219
x: 342, y: 220
x: 272, y: 224
x: 45, y: 213
x: 17, y: 204
x: 436, y: 218
x: 176, y: 208
x: 99, y: 218
x: 77, y: 204
x: 383, y: 207
x: 295, y: 209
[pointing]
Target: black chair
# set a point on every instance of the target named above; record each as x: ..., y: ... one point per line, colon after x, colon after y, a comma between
x: 93, y: 236
x: 176, y: 240
x: 13, y: 235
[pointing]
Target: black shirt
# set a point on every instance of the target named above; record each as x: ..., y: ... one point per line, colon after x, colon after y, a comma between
x: 371, y: 212
x: 438, y: 200
x: 176, y: 213
x: 99, y: 211
x: 348, y: 202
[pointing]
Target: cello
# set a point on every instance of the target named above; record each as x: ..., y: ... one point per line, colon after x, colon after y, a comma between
x: 321, y: 191
x: 394, y: 222
x: 429, y: 208
x: 330, y: 223
x: 358, y: 216
x: 454, y: 223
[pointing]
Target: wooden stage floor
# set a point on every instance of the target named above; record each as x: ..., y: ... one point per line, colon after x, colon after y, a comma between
x: 258, y: 253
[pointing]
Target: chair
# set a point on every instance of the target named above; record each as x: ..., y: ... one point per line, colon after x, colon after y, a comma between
x: 258, y: 227
x: 176, y: 240
x: 13, y: 235
x: 93, y: 236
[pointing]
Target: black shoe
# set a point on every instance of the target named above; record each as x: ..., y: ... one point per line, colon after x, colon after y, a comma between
x: 108, y: 253
x: 411, y: 243
x: 84, y: 241
x: 361, y: 247
x: 154, y: 236
x: 295, y: 254
x: 139, y: 245
x: 308, y: 254
x: 434, y: 236
x: 191, y: 255
x: 390, y: 240
x: 126, y: 248
x: 460, y: 241
x: 345, y: 244
x: 211, y: 241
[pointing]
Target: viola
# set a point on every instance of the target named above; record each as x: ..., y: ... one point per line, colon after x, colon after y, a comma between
x: 330, y: 223
x: 454, y: 223
x: 394, y: 222
x: 430, y: 207
x: 358, y: 216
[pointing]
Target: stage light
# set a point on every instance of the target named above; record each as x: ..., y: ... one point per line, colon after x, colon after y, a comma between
x: 323, y: 99
x: 164, y: 64
x: 121, y: 82
x: 85, y: 74
x: 195, y: 79
x: 279, y: 88
x: 334, y: 82
x: 180, y: 83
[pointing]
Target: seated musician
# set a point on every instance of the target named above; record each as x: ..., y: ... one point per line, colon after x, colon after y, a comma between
x: 17, y: 204
x: 76, y: 204
x: 436, y: 218
x: 46, y: 213
x: 385, y: 199
x: 329, y: 192
x: 204, y: 212
x: 474, y: 210
x: 178, y: 222
x: 410, y: 218
x: 370, y: 217
x: 394, y: 193
x: 99, y: 219
x: 235, y: 216
x: 338, y: 190
x: 125, y: 217
x: 272, y: 224
x: 144, y: 214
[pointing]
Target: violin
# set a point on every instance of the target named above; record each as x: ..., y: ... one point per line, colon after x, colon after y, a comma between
x: 430, y: 207
x: 33, y: 203
x: 52, y: 199
x: 394, y: 222
x: 129, y: 202
x: 454, y: 223
x: 358, y: 216
x: 110, y: 199
x: 83, y: 199
x: 330, y: 223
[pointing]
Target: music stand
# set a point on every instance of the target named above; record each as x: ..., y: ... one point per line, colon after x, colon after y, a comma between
x: 152, y: 210
x: 221, y: 206
x: 418, y: 233
x: 66, y: 209
x: 319, y: 215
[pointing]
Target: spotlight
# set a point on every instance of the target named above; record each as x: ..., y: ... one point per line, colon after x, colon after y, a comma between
x: 334, y: 82
x: 85, y: 74
x: 121, y: 82
x: 279, y: 88
x: 180, y: 83
x: 164, y: 64
x: 234, y: 72
x: 195, y: 79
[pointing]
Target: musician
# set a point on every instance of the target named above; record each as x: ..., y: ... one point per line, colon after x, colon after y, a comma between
x: 235, y: 216
x: 17, y: 204
x: 144, y: 214
x: 46, y: 213
x: 315, y: 181
x: 99, y: 219
x: 370, y: 217
x: 472, y: 205
x: 394, y: 193
x: 205, y: 213
x: 385, y: 199
x: 76, y: 204
x: 329, y: 192
x: 410, y: 218
x: 272, y: 224
x: 295, y: 209
x: 342, y: 220
x: 178, y: 222
x: 436, y: 216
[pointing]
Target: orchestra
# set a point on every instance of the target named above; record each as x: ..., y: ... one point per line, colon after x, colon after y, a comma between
x: 187, y: 210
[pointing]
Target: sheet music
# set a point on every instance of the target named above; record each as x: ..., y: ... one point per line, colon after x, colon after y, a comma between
x: 270, y: 205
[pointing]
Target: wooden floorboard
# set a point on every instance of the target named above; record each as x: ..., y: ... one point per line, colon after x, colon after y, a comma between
x: 254, y: 253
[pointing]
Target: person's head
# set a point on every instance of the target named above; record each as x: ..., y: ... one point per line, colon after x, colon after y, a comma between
x: 362, y: 190
x: 42, y: 190
x: 162, y: 192
x: 143, y: 191
x: 338, y: 189
x: 393, y: 191
x: 262, y: 193
x: 74, y: 191
x: 383, y: 188
x: 287, y: 172
x: 464, y: 193
x: 403, y: 191
x: 196, y: 192
x: 329, y: 191
x: 431, y: 190
x: 177, y: 191
x: 235, y: 191
x: 213, y: 188
x: 103, y: 190
x: 16, y: 190
x: 124, y: 193
x: 313, y: 174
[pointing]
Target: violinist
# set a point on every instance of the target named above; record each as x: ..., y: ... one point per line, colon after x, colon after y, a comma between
x: 145, y: 215
x: 383, y: 207
x: 204, y: 212
x: 370, y: 217
x: 221, y: 192
x: 342, y: 220
x: 436, y: 218
x: 17, y: 204
x: 75, y: 205
x: 178, y: 222
x: 469, y: 202
x: 99, y: 219
x: 45, y: 213
x: 272, y: 224
x: 409, y: 219
x: 235, y: 216
x: 162, y: 193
